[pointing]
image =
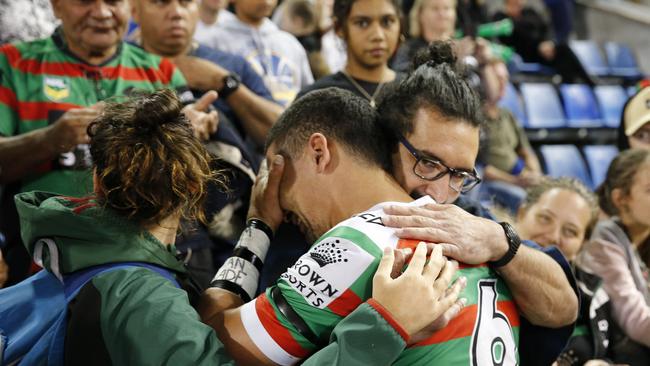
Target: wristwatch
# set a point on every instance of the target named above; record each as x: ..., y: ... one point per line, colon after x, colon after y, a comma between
x: 231, y: 83
x: 513, y: 245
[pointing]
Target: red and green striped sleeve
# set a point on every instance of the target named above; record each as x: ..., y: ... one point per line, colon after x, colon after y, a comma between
x: 8, y: 102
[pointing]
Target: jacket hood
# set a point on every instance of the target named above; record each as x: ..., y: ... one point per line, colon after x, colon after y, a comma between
x: 87, y: 234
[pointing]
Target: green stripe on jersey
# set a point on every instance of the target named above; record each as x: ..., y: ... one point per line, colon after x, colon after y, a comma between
x: 40, y: 81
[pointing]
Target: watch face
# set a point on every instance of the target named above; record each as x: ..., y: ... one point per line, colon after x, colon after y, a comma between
x: 231, y: 83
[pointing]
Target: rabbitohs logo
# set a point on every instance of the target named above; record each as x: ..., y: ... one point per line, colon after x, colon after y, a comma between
x: 328, y: 252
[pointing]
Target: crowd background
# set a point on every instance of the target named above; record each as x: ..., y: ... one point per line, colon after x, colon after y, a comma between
x: 562, y: 97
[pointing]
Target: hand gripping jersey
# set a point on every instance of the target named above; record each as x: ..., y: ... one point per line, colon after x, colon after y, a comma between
x: 335, y: 276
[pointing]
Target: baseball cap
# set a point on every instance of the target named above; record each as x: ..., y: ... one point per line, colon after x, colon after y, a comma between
x: 637, y: 112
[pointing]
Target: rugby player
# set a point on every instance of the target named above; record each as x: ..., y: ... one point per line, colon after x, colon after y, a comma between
x: 335, y: 184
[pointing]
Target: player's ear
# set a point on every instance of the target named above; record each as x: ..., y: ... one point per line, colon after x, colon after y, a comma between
x: 319, y: 151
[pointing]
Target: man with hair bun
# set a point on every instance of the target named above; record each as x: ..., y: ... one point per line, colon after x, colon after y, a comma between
x: 434, y: 121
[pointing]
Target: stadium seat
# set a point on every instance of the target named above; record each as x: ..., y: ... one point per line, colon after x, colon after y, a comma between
x: 518, y: 65
x: 512, y: 102
x: 611, y: 99
x: 580, y: 106
x: 598, y: 159
x: 590, y: 57
x: 565, y: 161
x: 631, y: 90
x: 621, y: 60
x: 542, y: 105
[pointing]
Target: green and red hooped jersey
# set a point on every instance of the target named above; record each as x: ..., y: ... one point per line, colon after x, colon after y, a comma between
x: 335, y: 276
x: 40, y: 80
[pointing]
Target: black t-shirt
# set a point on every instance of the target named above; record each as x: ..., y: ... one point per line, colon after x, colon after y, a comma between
x: 530, y: 29
x: 339, y: 80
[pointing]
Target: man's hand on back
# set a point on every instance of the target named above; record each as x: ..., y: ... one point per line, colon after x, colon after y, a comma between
x: 462, y: 236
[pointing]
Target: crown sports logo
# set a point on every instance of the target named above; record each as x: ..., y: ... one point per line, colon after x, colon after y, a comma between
x: 328, y: 253
x: 55, y: 89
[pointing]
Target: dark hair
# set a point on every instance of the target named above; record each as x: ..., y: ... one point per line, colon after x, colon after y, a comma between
x: 534, y: 193
x: 437, y: 83
x: 620, y: 175
x: 342, y: 8
x: 148, y: 163
x: 338, y: 114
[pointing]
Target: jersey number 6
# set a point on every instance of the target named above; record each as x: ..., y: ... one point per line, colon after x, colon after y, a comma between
x: 493, y: 343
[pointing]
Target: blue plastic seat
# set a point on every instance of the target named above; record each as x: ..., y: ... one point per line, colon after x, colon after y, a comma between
x: 543, y: 107
x: 512, y: 102
x: 622, y: 61
x: 518, y: 65
x: 611, y: 99
x: 580, y: 106
x: 590, y: 57
x: 565, y: 161
x: 598, y: 159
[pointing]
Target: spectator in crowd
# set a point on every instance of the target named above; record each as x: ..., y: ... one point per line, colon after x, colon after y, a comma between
x: 370, y: 30
x: 428, y: 21
x: 510, y: 162
x: 301, y: 19
x: 52, y: 88
x: 445, y: 141
x: 25, y: 20
x: 563, y: 212
x: 532, y: 41
x: 435, y: 20
x: 166, y: 29
x: 133, y: 216
x: 211, y: 14
x: 275, y: 54
x: 613, y: 251
x: 634, y: 129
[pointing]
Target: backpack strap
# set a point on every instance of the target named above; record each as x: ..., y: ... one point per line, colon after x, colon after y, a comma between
x: 73, y: 282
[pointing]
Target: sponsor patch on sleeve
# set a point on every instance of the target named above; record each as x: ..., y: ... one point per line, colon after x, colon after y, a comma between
x: 327, y: 270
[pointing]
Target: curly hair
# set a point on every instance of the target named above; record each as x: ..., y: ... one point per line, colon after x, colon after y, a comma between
x: 148, y: 163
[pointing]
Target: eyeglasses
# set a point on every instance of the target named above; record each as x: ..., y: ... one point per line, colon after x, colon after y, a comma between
x: 432, y: 169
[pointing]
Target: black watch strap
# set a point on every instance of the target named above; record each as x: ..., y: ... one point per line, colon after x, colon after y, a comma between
x: 513, y: 246
x: 230, y: 85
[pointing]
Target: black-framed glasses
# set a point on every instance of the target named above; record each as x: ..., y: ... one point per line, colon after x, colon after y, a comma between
x: 432, y: 169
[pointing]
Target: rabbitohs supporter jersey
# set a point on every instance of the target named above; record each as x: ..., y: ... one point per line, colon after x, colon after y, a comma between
x: 41, y: 80
x: 335, y: 276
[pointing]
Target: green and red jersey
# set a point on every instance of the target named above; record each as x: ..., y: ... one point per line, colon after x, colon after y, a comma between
x: 335, y: 276
x: 40, y: 80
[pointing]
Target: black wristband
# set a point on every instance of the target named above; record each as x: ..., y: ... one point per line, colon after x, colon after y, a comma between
x: 513, y: 246
x: 232, y: 287
x: 247, y: 255
x: 261, y: 225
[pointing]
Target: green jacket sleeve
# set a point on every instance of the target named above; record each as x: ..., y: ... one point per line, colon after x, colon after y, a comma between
x: 367, y: 336
x: 146, y: 320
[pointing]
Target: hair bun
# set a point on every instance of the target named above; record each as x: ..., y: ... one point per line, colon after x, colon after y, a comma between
x: 156, y: 109
x: 437, y: 53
